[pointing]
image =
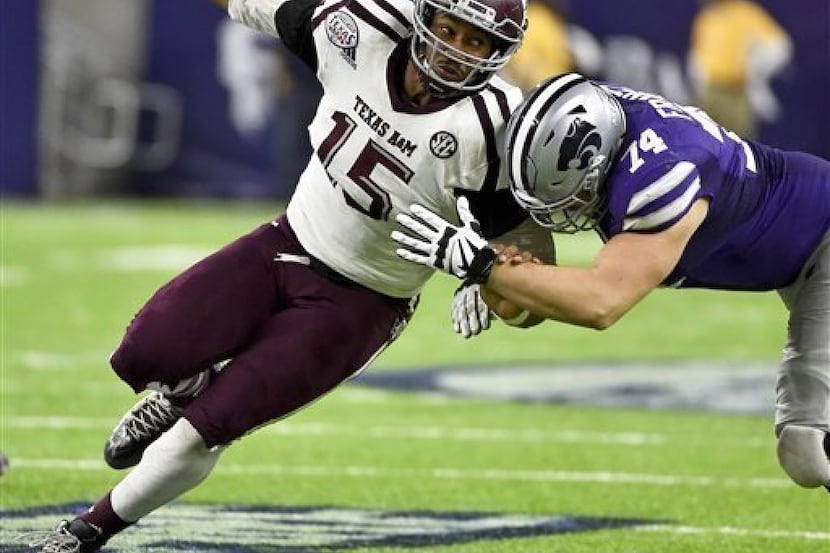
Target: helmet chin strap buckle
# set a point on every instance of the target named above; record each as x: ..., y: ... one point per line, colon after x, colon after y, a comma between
x: 435, y: 88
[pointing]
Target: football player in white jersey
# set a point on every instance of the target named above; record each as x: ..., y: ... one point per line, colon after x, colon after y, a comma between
x: 412, y: 111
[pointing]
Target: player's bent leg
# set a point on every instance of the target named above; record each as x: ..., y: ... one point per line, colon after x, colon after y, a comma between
x: 804, y: 456
x: 172, y: 465
x: 295, y: 360
x: 148, y: 419
x: 199, y: 318
x: 802, y: 415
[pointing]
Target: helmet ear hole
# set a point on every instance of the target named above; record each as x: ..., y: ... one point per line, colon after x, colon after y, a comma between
x: 566, y: 133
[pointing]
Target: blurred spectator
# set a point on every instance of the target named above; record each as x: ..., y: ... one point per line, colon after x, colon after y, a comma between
x: 552, y: 45
x: 271, y: 97
x: 736, y: 49
x: 254, y: 74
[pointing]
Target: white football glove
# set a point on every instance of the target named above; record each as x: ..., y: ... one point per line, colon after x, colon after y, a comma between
x: 458, y: 251
x: 470, y: 315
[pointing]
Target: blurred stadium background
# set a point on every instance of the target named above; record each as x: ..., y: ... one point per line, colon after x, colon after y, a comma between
x: 138, y: 135
x: 153, y: 97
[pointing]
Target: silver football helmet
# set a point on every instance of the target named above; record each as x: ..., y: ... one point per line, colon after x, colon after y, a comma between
x: 504, y: 20
x: 561, y: 144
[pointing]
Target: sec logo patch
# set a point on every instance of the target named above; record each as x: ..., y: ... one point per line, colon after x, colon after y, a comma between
x: 443, y: 144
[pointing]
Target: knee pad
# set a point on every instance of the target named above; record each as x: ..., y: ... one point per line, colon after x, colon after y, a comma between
x: 802, y: 453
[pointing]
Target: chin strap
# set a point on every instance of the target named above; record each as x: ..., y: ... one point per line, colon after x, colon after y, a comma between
x: 436, y: 89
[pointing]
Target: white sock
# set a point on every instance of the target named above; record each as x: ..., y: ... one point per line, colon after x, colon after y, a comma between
x: 172, y: 465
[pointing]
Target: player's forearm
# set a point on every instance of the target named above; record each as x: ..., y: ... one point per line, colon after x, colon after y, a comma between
x: 572, y: 295
x: 507, y: 311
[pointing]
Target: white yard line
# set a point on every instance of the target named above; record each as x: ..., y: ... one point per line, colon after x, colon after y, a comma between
x: 443, y: 433
x: 57, y: 423
x: 474, y: 434
x: 14, y: 276
x: 732, y: 531
x: 444, y: 473
x: 151, y: 257
x: 37, y: 360
x: 355, y: 471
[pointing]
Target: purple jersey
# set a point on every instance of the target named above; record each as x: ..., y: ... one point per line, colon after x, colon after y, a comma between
x: 768, y: 209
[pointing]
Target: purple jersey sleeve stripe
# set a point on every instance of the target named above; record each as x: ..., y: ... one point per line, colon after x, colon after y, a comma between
x: 669, y: 213
x: 491, y: 178
x: 369, y: 18
x: 391, y: 10
x: 677, y: 176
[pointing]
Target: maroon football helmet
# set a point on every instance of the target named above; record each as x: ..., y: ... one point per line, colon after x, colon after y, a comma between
x: 504, y: 20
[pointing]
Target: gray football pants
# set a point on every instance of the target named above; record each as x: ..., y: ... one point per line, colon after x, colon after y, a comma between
x: 803, y: 387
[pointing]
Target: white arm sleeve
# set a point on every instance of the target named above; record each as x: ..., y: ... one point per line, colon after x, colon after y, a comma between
x: 256, y: 14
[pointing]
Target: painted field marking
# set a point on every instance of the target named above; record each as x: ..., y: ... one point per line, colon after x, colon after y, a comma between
x: 694, y: 384
x: 38, y: 360
x: 163, y: 258
x: 259, y: 529
x: 446, y: 473
x: 443, y: 433
x: 13, y: 276
x: 733, y: 531
x: 227, y: 528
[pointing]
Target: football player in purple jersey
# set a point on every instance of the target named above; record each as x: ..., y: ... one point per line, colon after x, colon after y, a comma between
x: 412, y: 112
x: 679, y: 201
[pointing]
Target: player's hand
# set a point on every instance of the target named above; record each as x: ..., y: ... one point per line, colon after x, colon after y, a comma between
x: 470, y: 315
x: 512, y: 255
x: 435, y: 242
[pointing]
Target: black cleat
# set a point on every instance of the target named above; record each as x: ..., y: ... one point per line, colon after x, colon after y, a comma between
x: 142, y: 425
x: 74, y: 536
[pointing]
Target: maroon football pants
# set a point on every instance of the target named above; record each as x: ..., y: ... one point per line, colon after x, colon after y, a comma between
x: 293, y: 331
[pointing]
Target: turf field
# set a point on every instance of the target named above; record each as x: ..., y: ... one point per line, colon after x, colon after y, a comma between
x: 378, y: 470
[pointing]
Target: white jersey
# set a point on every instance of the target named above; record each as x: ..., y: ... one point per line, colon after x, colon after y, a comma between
x: 375, y: 152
